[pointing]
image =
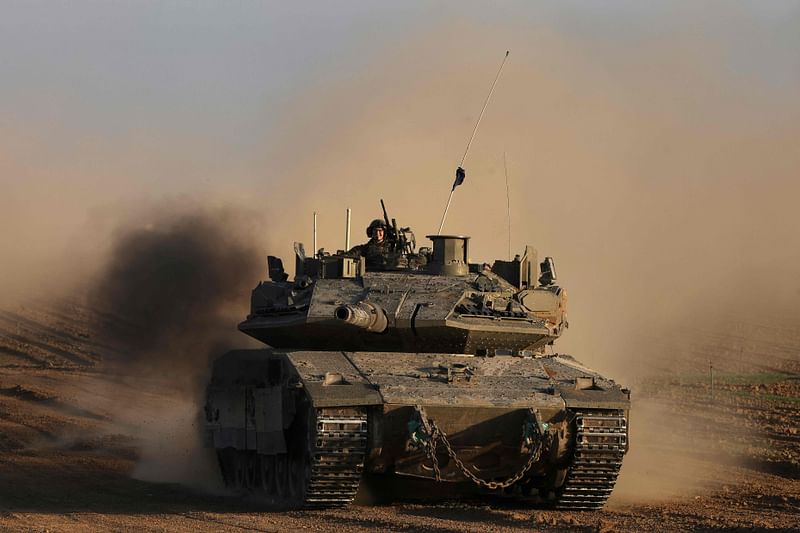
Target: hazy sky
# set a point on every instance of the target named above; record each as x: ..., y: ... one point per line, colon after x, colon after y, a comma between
x: 104, y: 80
x: 125, y: 95
x: 650, y: 145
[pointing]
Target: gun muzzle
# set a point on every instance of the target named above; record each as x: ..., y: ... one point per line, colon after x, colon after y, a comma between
x: 364, y: 315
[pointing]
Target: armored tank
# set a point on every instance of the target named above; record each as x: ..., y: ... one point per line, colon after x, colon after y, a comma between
x: 427, y: 367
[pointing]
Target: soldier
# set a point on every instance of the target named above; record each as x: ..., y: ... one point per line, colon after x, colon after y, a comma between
x: 377, y: 250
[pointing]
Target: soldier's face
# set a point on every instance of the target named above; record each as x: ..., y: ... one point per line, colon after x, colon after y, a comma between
x: 378, y: 234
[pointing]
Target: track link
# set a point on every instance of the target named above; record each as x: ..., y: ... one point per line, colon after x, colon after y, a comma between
x: 337, y: 459
x: 601, y: 441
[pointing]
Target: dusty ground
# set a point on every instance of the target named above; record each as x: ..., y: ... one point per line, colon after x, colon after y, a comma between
x: 86, y: 447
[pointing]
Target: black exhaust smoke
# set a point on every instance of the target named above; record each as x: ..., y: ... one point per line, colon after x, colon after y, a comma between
x: 173, y: 291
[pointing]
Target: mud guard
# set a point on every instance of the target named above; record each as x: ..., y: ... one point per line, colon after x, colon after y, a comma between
x: 331, y: 380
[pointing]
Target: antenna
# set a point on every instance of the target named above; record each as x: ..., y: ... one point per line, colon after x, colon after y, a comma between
x: 315, y: 235
x: 460, y: 174
x: 508, y: 202
x: 347, y: 232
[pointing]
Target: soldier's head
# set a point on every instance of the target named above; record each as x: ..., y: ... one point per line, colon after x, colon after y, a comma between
x: 376, y: 230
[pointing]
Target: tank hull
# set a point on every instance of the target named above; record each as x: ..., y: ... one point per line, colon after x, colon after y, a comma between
x: 303, y: 427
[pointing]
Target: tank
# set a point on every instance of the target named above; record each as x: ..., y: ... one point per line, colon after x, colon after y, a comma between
x: 431, y: 369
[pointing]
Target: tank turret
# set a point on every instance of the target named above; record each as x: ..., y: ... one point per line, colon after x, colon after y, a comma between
x: 429, y: 301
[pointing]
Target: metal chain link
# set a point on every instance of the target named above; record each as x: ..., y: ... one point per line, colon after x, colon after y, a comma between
x: 438, y: 435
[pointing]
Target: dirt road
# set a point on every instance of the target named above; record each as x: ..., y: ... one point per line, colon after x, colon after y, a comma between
x: 87, y: 447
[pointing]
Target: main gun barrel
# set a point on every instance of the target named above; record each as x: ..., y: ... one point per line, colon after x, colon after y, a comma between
x: 364, y: 315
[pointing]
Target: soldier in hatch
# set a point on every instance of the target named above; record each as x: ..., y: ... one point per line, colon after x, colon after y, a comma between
x: 377, y: 250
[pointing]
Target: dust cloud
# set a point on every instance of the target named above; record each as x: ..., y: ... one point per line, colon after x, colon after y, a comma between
x: 171, y: 293
x: 167, y: 428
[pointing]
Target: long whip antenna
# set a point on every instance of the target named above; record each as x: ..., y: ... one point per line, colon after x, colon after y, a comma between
x: 472, y: 137
x: 508, y: 202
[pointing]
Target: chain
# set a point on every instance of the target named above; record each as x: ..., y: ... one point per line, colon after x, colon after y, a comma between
x: 437, y: 435
x: 431, y: 448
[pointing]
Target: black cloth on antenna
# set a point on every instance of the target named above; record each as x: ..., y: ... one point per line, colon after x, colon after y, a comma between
x: 460, y: 175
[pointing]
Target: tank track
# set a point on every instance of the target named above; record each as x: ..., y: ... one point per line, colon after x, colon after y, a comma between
x: 322, y: 467
x: 337, y: 459
x: 601, y: 440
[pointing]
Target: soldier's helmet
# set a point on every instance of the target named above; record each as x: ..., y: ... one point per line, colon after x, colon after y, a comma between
x: 377, y: 223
